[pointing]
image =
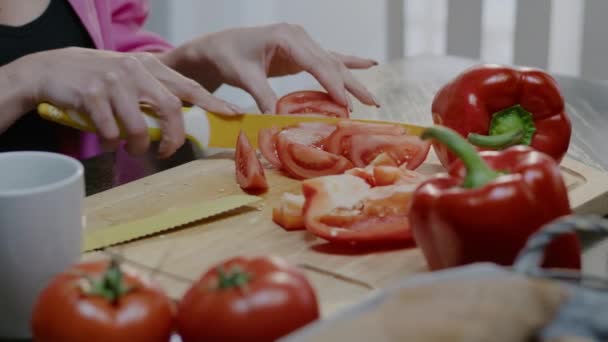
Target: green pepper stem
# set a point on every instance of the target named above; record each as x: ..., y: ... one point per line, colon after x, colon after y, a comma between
x: 233, y: 278
x: 496, y: 141
x: 111, y: 285
x: 510, y: 126
x: 478, y: 172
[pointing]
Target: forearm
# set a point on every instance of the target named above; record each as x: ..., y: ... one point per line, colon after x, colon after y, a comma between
x: 14, y: 98
x: 192, y: 65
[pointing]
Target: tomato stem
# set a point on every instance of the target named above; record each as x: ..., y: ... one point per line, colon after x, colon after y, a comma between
x: 478, y: 172
x: 235, y: 277
x: 111, y: 285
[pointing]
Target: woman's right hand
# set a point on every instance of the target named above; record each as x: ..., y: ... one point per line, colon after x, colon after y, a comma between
x: 109, y: 87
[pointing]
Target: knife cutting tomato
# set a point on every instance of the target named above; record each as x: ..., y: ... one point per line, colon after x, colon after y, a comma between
x: 310, y: 150
x: 497, y: 106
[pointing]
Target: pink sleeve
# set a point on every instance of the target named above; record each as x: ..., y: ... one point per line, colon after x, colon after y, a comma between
x: 128, y: 18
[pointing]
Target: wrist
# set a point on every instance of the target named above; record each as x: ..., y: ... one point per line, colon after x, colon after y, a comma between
x: 20, y: 87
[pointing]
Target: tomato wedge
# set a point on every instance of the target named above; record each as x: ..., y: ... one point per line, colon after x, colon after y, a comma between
x: 267, y: 145
x: 310, y: 102
x: 403, y: 149
x: 289, y: 214
x: 345, y: 209
x: 383, y: 159
x: 382, y: 175
x: 309, y: 133
x: 390, y: 175
x: 249, y: 171
x: 302, y: 161
x: 337, y: 141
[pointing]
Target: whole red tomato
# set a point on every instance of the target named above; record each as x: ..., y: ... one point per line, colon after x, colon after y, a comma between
x: 97, y: 301
x: 247, y: 299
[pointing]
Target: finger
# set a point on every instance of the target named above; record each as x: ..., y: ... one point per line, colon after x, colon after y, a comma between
x: 96, y: 103
x: 186, y: 88
x: 256, y: 84
x: 126, y: 107
x: 323, y: 67
x: 168, y: 107
x: 358, y: 90
x: 327, y: 72
x: 199, y: 96
x: 353, y: 62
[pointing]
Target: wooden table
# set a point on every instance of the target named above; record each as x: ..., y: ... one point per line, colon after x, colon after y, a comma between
x: 406, y: 89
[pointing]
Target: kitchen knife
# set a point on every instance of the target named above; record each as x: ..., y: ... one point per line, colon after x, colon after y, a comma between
x: 203, y: 128
x: 171, y: 218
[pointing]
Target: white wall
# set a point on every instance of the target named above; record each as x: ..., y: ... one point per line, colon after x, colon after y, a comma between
x: 359, y: 27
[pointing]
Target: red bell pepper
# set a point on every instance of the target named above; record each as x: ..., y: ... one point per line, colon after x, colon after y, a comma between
x: 497, y: 106
x: 488, y: 205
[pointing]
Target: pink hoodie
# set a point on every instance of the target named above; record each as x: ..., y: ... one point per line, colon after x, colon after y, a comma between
x: 115, y: 25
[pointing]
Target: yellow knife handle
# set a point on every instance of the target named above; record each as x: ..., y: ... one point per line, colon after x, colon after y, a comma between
x: 82, y: 122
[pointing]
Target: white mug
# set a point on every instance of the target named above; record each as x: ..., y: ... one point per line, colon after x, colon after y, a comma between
x: 41, y: 208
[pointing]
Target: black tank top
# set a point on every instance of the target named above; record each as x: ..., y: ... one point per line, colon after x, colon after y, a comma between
x: 58, y: 27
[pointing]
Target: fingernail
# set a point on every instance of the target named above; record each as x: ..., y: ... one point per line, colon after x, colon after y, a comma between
x: 268, y: 111
x: 349, y: 102
x: 237, y: 109
x: 374, y: 62
x: 375, y: 101
x: 231, y: 109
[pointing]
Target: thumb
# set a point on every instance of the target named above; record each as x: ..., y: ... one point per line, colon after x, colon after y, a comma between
x: 257, y: 85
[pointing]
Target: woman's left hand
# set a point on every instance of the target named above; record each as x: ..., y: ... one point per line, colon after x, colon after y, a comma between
x: 246, y: 57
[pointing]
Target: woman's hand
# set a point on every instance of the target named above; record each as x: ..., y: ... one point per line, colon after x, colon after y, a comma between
x: 246, y: 57
x: 109, y: 87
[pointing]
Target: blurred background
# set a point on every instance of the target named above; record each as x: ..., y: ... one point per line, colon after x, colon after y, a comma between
x: 567, y: 37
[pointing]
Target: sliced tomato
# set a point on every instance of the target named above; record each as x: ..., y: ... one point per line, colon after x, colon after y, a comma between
x: 366, y: 173
x: 289, y: 214
x: 310, y: 102
x: 249, y: 171
x: 267, y: 145
x: 390, y: 175
x: 303, y: 161
x: 383, y: 175
x: 345, y: 209
x: 403, y: 149
x: 309, y: 133
x: 383, y: 159
x: 336, y: 142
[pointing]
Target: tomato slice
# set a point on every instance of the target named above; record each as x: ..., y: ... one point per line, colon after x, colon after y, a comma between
x: 403, y: 149
x: 336, y: 142
x: 367, y: 173
x: 267, y: 145
x: 310, y: 134
x: 302, y: 161
x: 382, y: 175
x: 345, y: 209
x: 249, y: 171
x: 390, y: 175
x: 310, y: 102
x: 383, y: 159
x: 289, y: 213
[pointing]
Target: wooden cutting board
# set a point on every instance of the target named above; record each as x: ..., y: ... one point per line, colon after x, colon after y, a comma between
x: 340, y: 277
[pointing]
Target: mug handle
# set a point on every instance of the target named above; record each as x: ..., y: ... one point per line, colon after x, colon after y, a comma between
x: 530, y: 258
